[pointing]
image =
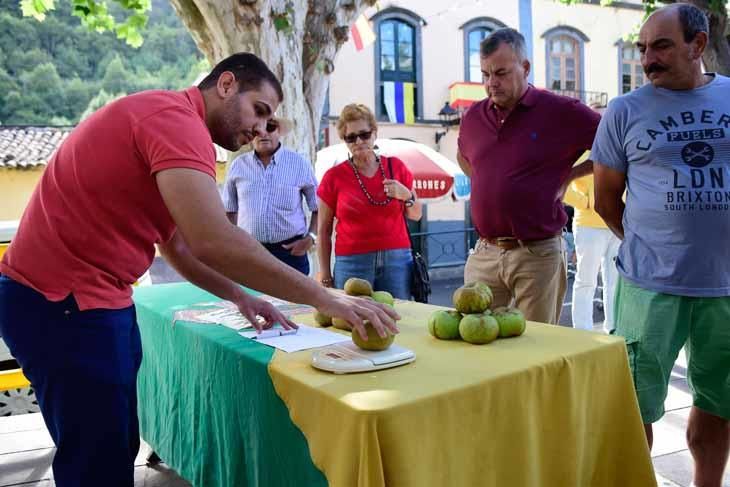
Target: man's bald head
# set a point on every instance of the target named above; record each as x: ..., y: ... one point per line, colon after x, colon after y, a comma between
x: 671, y: 42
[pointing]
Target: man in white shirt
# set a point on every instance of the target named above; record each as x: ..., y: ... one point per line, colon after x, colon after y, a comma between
x: 263, y: 195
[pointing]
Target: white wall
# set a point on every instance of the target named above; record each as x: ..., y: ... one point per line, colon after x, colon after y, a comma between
x: 604, y: 26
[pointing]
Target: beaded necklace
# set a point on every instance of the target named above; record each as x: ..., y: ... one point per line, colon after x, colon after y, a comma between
x: 372, y: 201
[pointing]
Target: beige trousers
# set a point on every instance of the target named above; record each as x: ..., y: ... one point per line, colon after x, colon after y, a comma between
x: 532, y: 277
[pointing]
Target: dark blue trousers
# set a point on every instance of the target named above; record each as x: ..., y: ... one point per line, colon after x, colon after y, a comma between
x: 83, y: 368
x: 298, y: 262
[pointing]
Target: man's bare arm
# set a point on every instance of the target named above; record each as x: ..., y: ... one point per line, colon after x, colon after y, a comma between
x: 193, y: 201
x: 610, y: 185
x: 582, y: 169
x: 178, y: 255
x: 232, y: 217
x: 313, y: 222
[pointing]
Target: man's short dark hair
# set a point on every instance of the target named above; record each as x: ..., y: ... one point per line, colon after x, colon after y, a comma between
x: 501, y: 36
x: 249, y: 70
x: 693, y: 21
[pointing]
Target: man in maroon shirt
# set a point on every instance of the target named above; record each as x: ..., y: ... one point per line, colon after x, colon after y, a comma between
x: 519, y: 147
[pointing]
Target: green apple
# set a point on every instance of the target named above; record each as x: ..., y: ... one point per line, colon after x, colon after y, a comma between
x: 341, y: 324
x: 478, y: 328
x: 355, y: 286
x: 484, y: 288
x: 444, y: 324
x: 374, y: 342
x: 384, y: 297
x: 511, y: 321
x: 322, y: 319
x: 472, y: 298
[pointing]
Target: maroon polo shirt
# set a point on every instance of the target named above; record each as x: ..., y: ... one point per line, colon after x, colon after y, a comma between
x: 519, y: 162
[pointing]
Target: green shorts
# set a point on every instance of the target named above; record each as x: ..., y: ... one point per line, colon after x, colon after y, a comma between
x: 656, y: 326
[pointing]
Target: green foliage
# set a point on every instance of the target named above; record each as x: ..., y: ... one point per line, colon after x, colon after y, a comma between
x: 96, y: 15
x: 50, y: 71
x: 116, y: 78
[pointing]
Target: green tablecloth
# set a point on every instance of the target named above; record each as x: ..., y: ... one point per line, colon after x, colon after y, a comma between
x: 206, y: 401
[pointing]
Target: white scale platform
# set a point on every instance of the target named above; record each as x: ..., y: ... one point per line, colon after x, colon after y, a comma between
x: 346, y: 358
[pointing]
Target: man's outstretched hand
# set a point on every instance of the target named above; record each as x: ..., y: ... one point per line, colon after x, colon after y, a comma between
x: 356, y: 310
x: 251, y: 307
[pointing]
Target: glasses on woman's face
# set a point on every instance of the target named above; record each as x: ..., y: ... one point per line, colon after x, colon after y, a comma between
x: 272, y: 126
x: 364, y: 136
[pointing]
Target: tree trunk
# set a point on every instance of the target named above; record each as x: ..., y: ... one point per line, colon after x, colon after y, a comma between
x: 298, y: 39
x: 717, y: 54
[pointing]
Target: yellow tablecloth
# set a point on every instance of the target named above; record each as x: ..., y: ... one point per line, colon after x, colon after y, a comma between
x: 554, y: 408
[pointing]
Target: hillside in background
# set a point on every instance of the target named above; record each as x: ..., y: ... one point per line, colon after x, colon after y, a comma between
x: 54, y: 71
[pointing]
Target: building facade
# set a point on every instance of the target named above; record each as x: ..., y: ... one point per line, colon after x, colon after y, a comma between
x: 432, y: 49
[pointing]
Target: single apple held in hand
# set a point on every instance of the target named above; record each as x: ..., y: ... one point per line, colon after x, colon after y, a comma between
x: 374, y: 342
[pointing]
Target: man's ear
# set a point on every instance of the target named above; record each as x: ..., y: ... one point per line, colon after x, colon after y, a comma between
x: 526, y: 66
x: 698, y: 45
x: 226, y: 84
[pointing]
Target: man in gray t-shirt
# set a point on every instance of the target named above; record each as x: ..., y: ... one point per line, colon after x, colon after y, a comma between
x: 667, y: 145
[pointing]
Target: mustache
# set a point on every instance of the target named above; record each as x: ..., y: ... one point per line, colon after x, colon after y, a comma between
x: 655, y: 68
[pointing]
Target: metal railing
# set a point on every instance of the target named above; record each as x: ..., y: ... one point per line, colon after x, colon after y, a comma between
x: 590, y: 98
x: 449, y: 248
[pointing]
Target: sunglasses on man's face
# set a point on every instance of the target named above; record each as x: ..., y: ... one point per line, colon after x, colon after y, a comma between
x: 272, y: 126
x: 364, y: 136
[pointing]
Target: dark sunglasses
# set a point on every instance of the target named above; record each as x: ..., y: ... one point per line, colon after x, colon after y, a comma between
x: 352, y: 138
x: 272, y: 126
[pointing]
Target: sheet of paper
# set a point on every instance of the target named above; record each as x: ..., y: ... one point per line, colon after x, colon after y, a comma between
x: 305, y: 338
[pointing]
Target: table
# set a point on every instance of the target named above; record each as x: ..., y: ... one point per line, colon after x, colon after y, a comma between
x: 555, y: 407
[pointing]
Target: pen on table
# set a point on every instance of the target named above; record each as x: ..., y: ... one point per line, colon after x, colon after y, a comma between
x: 274, y: 333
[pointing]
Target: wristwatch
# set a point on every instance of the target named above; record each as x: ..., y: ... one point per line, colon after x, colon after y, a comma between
x: 410, y: 201
x: 314, y: 237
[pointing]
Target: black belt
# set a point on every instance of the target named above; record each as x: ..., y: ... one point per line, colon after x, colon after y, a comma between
x: 278, y: 245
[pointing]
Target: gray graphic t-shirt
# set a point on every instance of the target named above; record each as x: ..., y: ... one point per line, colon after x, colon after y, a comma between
x: 674, y: 147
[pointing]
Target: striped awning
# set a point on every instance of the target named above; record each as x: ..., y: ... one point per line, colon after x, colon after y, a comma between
x: 462, y: 94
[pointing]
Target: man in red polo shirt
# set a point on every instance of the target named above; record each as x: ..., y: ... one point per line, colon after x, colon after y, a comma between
x: 519, y: 147
x: 139, y: 172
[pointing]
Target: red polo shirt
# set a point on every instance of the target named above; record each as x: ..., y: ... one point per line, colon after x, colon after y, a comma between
x: 92, y: 222
x: 520, y: 161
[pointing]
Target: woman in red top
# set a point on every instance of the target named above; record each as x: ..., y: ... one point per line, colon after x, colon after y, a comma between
x: 368, y: 194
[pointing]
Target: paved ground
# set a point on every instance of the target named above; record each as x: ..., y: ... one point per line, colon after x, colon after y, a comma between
x: 26, y: 450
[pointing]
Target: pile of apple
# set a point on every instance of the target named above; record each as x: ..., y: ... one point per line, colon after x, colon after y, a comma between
x: 361, y: 288
x: 473, y: 321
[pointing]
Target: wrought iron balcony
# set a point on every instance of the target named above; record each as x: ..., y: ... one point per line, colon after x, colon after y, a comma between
x: 596, y: 99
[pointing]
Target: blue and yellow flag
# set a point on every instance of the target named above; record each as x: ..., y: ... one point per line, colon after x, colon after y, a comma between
x: 399, y: 101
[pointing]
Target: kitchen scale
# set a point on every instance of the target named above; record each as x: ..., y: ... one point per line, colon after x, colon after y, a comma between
x: 346, y: 358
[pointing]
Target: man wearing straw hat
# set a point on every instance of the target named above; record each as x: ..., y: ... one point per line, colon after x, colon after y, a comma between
x: 263, y: 195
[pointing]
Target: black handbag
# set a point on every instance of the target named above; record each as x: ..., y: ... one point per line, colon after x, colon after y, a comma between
x: 420, y: 280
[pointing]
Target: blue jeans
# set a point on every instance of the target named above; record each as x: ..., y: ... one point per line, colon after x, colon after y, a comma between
x: 386, y: 270
x: 83, y: 367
